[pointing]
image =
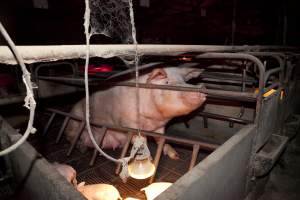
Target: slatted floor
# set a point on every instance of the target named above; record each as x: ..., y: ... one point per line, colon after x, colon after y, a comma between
x: 103, y: 169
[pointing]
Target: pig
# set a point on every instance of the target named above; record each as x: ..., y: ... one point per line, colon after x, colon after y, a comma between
x: 118, y: 106
x: 67, y: 171
x: 99, y: 191
x: 155, y: 189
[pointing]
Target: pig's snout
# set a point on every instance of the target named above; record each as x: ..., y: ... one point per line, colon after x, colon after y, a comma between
x: 193, y: 98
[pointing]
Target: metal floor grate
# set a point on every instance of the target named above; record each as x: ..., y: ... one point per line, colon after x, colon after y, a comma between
x: 103, y: 170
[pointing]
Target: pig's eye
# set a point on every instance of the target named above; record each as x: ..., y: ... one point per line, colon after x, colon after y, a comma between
x: 167, y: 82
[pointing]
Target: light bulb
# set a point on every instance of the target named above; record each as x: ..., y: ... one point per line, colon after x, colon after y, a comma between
x: 141, y: 169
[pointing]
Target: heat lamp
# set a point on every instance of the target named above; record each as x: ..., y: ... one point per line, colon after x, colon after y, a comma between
x: 141, y: 167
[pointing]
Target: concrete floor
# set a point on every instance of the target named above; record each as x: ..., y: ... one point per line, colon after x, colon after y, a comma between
x: 284, y: 182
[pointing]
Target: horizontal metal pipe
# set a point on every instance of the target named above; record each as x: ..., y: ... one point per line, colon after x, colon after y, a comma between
x: 33, y: 54
x: 224, y: 118
x: 241, y: 96
x: 204, y: 145
x: 6, y: 100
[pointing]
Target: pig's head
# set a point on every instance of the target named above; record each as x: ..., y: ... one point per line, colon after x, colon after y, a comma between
x: 172, y: 103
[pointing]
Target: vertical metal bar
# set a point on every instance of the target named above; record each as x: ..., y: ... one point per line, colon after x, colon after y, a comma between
x: 124, y: 151
x: 205, y: 123
x: 82, y: 126
x: 157, y: 156
x: 103, y: 132
x: 196, y: 149
x: 62, y: 129
x: 49, y: 123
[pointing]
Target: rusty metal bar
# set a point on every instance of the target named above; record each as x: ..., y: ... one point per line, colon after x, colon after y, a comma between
x: 95, y: 153
x: 82, y: 126
x: 196, y: 149
x: 61, y: 131
x: 224, y: 118
x: 124, y: 151
x: 174, y: 139
x: 49, y: 124
x: 159, y: 150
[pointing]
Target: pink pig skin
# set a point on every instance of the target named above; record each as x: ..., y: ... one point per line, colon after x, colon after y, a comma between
x: 117, y: 106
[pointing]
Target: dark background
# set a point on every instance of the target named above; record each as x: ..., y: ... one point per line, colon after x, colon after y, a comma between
x: 165, y: 22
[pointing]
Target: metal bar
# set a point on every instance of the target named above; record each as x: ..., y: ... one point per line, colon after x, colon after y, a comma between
x: 225, y: 77
x: 270, y: 72
x: 205, y: 123
x: 33, y: 54
x: 203, y: 145
x: 95, y: 153
x: 159, y: 150
x: 232, y: 95
x: 54, y: 64
x: 48, y: 124
x: 61, y: 131
x: 149, y: 65
x: 279, y: 57
x: 82, y: 126
x: 124, y: 151
x: 224, y: 118
x: 196, y: 149
x: 243, y: 56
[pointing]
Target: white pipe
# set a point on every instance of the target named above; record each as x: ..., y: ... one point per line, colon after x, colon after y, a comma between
x: 33, y: 54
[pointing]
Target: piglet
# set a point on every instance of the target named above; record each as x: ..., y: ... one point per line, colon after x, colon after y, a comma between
x: 99, y: 191
x: 118, y: 106
x: 67, y: 171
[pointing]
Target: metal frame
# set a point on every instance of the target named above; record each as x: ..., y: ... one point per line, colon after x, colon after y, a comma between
x: 130, y: 131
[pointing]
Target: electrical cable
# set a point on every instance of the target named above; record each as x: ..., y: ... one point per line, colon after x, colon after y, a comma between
x: 29, y: 99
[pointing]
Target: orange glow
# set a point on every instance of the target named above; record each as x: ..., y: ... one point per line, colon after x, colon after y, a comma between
x: 141, y: 169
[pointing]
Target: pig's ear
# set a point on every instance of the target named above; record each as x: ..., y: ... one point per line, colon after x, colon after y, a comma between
x: 157, y: 74
x: 189, y: 73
